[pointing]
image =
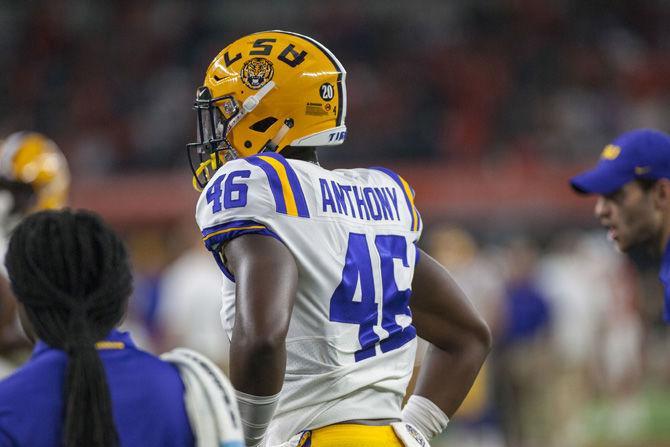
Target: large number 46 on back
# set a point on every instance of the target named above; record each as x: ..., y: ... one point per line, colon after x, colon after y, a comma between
x: 358, y: 266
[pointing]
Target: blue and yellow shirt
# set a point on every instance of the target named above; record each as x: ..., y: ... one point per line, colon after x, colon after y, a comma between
x: 147, y: 397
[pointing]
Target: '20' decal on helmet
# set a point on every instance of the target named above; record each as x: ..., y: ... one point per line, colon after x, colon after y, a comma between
x: 327, y: 92
x: 257, y: 72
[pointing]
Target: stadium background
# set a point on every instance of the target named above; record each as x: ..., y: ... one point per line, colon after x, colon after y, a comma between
x: 485, y: 107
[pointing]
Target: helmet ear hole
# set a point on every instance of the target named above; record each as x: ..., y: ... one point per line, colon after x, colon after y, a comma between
x: 264, y: 124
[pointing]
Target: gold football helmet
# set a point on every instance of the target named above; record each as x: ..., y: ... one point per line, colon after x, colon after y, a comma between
x: 265, y: 92
x: 33, y: 160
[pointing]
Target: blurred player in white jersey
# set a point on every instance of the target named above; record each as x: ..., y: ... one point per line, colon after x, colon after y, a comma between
x: 321, y: 266
x: 33, y: 176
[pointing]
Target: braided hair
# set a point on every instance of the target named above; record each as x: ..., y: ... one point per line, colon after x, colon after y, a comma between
x: 71, y: 273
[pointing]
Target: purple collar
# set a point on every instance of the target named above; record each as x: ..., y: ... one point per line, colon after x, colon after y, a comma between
x: 114, y: 336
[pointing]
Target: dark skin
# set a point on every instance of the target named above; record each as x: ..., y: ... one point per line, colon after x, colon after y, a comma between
x: 8, y: 341
x: 7, y: 303
x: 262, y: 312
x: 11, y: 340
x: 442, y: 315
x: 460, y: 339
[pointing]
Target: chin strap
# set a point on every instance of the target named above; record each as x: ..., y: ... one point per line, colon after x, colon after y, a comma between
x: 207, y: 167
x: 252, y: 101
x: 250, y: 104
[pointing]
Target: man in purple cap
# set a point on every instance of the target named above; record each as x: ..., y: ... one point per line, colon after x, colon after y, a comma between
x: 632, y: 181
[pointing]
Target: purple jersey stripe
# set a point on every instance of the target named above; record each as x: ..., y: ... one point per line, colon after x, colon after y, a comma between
x: 217, y: 235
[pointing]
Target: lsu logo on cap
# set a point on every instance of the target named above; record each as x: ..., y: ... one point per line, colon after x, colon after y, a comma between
x: 610, y: 152
x: 257, y: 72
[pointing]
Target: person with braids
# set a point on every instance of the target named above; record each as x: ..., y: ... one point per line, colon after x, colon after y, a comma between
x: 86, y: 383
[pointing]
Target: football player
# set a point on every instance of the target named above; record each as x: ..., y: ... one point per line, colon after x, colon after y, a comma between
x: 33, y: 176
x: 632, y: 182
x: 321, y: 267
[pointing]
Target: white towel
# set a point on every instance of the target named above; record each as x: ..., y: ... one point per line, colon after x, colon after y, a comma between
x: 210, y: 400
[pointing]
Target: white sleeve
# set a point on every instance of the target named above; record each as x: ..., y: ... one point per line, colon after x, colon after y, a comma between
x: 238, y: 200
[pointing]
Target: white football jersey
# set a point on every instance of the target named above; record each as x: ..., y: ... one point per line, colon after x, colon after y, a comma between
x: 353, y: 233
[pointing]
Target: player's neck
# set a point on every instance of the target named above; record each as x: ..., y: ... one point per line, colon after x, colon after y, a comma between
x: 301, y: 153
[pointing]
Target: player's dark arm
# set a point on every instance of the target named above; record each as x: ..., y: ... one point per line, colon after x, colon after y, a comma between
x: 266, y: 278
x: 460, y: 339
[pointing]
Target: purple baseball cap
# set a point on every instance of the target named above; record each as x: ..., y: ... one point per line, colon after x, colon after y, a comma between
x: 638, y: 154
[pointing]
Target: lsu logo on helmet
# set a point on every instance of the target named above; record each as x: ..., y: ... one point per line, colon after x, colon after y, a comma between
x: 257, y: 72
x: 265, y: 92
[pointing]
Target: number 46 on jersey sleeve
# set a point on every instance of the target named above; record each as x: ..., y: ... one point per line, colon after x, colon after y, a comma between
x: 358, y: 266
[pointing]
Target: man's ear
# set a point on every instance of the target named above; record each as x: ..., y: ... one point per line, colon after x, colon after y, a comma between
x: 662, y: 194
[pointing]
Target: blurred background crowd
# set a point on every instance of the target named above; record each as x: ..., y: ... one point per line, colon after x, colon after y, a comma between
x: 486, y: 107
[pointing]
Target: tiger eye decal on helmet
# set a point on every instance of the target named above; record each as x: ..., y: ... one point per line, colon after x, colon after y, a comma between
x: 258, y: 88
x: 257, y: 72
